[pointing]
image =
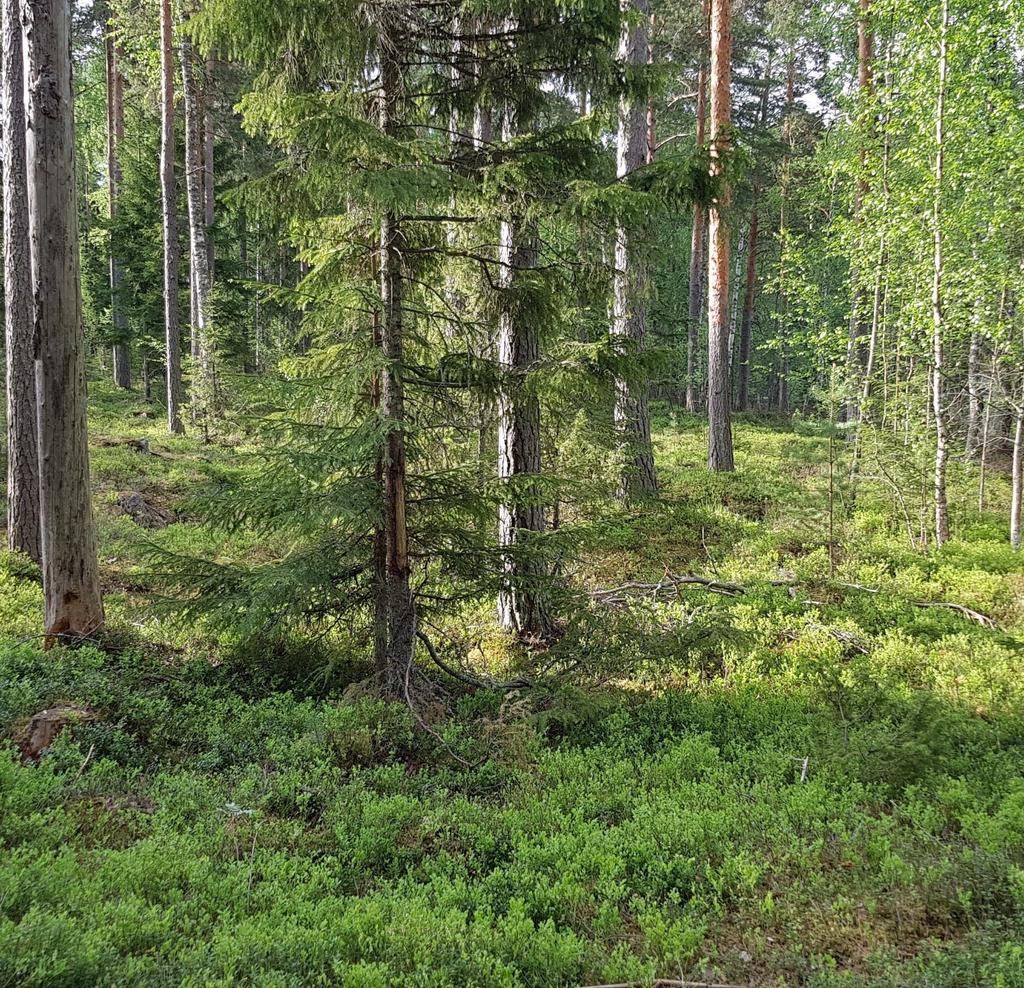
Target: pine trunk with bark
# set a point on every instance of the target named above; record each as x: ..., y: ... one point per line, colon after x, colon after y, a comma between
x: 22, y: 445
x: 400, y: 606
x: 71, y: 587
x: 720, y: 449
x: 695, y: 299
x: 629, y: 317
x: 169, y: 204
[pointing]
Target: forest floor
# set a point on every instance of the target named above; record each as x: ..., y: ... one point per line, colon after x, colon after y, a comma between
x: 816, y: 782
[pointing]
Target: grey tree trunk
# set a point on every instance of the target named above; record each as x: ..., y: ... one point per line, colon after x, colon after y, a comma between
x: 71, y: 588
x: 720, y: 449
x: 747, y: 324
x: 629, y: 317
x: 209, y: 214
x: 859, y: 300
x: 1017, y: 480
x: 698, y: 261
x: 973, y: 395
x: 115, y: 134
x: 22, y: 444
x: 938, y: 405
x: 169, y: 201
x: 401, y: 610
x: 520, y: 516
x: 203, y: 385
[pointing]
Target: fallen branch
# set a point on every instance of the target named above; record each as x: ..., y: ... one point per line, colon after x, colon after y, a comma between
x: 465, y: 677
x: 968, y: 612
x: 672, y: 585
x: 666, y: 983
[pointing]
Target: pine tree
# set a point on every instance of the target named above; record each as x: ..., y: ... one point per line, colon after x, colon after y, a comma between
x: 22, y: 445
x: 720, y: 451
x: 70, y: 570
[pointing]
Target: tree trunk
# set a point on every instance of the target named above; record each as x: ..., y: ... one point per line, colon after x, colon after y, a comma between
x: 22, y: 445
x: 1018, y: 480
x: 858, y: 306
x: 720, y: 451
x: 697, y: 260
x: 400, y: 605
x: 938, y: 407
x: 115, y: 134
x: 520, y: 516
x: 203, y: 388
x: 169, y: 202
x: 632, y: 419
x: 652, y: 118
x: 747, y: 325
x: 973, y: 395
x: 71, y: 588
x: 208, y: 184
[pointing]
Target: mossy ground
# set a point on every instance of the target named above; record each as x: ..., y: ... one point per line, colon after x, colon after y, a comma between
x: 731, y: 790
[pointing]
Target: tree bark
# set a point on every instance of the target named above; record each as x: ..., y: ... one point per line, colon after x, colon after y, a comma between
x: 520, y: 515
x: 71, y: 588
x: 747, y: 324
x: 697, y: 235
x: 629, y: 317
x: 208, y: 179
x: 169, y: 202
x: 973, y: 395
x: 115, y: 134
x: 22, y: 444
x: 720, y: 449
x: 1017, y: 480
x: 858, y: 305
x: 938, y: 405
x: 203, y: 388
x: 401, y: 609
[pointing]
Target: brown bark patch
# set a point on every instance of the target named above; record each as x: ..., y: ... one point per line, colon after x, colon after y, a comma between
x: 44, y: 727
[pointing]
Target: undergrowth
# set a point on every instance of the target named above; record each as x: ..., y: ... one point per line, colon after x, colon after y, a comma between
x: 816, y: 782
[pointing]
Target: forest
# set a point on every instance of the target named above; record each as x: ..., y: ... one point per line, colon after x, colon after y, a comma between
x: 512, y: 493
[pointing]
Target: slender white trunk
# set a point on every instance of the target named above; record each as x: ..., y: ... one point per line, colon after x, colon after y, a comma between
x: 169, y: 204
x: 203, y: 388
x: 1018, y: 480
x: 115, y: 135
x: 938, y: 406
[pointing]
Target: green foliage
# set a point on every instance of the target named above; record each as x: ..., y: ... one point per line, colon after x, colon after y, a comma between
x: 230, y: 815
